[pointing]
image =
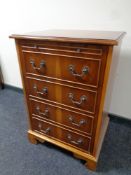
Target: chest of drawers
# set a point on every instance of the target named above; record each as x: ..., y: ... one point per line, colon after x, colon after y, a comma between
x: 65, y: 75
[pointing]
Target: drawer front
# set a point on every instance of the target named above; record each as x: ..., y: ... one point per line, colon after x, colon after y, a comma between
x: 77, y: 98
x: 79, y: 70
x: 74, y: 120
x: 64, y: 135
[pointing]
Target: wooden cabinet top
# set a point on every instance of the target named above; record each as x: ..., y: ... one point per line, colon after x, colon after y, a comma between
x: 82, y: 36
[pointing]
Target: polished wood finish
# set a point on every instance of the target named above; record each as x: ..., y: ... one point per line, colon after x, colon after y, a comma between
x: 61, y: 134
x: 65, y: 78
x: 62, y: 116
x: 62, y: 48
x: 59, y: 94
x: 52, y: 61
x: 91, y: 165
x: 78, y: 36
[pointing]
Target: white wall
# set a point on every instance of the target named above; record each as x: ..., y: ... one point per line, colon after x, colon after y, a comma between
x: 36, y: 15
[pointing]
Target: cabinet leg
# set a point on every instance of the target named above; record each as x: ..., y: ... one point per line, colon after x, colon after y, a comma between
x: 32, y: 139
x: 91, y: 165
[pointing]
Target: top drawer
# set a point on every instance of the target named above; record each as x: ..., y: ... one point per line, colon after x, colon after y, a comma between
x: 77, y: 70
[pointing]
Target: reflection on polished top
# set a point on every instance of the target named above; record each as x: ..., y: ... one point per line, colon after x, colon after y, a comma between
x: 101, y: 37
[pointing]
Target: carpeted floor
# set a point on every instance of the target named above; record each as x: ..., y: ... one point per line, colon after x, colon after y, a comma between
x: 19, y: 157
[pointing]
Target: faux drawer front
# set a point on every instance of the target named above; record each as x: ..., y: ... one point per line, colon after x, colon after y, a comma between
x: 77, y: 98
x: 72, y: 119
x: 67, y: 136
x: 65, y: 68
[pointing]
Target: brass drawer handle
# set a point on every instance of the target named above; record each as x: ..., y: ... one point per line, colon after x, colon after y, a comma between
x: 81, y: 122
x: 47, y: 130
x: 42, y: 64
x: 78, y: 142
x: 43, y: 92
x: 84, y: 71
x: 45, y: 113
x: 83, y: 98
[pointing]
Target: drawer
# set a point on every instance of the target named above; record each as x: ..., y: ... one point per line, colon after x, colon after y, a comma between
x: 62, y: 116
x: 73, y: 69
x: 61, y: 134
x: 77, y: 98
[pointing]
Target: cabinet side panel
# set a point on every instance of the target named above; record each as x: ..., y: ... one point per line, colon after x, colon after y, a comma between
x: 19, y: 55
x: 99, y: 121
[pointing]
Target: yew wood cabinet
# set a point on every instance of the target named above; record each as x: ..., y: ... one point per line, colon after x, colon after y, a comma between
x: 65, y: 75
